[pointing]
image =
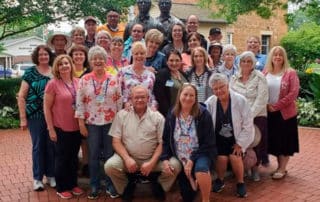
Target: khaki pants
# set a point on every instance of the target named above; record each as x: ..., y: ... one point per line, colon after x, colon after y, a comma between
x: 116, y: 170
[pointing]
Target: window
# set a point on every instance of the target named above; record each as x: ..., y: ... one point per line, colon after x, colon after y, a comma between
x: 265, y: 44
x: 229, y: 37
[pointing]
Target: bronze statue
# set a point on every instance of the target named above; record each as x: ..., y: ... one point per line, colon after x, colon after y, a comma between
x: 143, y: 18
x: 166, y: 20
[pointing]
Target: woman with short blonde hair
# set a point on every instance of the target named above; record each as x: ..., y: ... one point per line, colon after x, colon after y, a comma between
x: 137, y: 74
x: 155, y: 59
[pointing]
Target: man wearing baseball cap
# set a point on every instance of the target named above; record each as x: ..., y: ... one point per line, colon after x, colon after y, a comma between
x: 215, y: 34
x: 90, y: 24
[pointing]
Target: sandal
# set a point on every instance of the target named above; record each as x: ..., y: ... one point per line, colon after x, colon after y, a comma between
x: 279, y: 175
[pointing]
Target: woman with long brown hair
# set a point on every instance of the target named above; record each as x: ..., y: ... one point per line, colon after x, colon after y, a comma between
x: 189, y: 137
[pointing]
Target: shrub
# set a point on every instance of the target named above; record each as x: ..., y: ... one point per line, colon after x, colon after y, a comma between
x: 302, y: 45
x: 9, y: 116
x: 8, y: 91
x: 309, y: 114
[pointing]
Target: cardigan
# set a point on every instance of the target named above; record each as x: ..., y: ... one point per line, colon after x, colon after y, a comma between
x: 242, y: 119
x: 205, y: 133
x: 289, y: 91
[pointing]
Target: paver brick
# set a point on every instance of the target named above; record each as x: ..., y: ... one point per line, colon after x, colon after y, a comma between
x: 301, y: 184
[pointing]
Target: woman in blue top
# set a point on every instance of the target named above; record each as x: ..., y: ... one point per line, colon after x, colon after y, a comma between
x: 189, y: 137
x: 30, y: 103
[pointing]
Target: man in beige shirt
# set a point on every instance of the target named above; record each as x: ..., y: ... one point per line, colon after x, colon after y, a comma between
x: 137, y: 141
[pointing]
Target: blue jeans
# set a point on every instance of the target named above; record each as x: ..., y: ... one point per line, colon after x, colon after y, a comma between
x: 42, y: 149
x: 201, y: 164
x: 100, y: 146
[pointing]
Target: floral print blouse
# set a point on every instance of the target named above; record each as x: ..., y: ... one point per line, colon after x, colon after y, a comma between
x: 185, y: 137
x: 128, y: 79
x: 98, y: 101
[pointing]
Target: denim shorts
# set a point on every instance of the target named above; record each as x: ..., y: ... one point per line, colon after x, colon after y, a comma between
x: 202, y: 164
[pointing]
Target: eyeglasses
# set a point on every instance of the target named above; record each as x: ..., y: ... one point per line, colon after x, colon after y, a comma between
x: 119, y: 44
x: 113, y: 16
x: 246, y: 61
x: 138, y: 31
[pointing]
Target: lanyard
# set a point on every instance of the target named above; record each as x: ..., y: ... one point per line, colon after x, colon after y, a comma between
x: 115, y: 65
x: 199, y: 79
x: 96, y: 90
x: 72, y: 91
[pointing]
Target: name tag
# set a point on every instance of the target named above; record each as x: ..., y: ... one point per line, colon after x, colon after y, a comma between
x: 169, y: 83
x: 100, y: 99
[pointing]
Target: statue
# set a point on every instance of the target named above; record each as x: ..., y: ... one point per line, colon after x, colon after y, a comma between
x: 143, y: 18
x: 166, y: 20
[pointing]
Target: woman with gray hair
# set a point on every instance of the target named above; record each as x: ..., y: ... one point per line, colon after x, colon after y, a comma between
x: 103, y: 39
x: 98, y: 101
x: 228, y: 67
x: 252, y: 84
x: 233, y: 124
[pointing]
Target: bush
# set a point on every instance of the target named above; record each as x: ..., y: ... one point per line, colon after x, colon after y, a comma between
x: 9, y: 116
x: 8, y: 91
x: 302, y: 45
x: 309, y: 114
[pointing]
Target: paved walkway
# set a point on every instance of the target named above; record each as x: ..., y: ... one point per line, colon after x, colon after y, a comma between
x: 301, y: 184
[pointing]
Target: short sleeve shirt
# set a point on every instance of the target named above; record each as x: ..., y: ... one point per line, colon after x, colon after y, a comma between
x: 140, y: 136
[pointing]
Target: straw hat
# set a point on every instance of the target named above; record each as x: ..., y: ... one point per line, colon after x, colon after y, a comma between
x: 57, y: 33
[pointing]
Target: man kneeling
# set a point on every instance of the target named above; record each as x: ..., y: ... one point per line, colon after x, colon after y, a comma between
x: 137, y: 141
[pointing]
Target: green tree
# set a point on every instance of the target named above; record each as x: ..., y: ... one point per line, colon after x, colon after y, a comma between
x: 302, y: 45
x: 307, y: 13
x: 18, y: 16
x: 231, y: 9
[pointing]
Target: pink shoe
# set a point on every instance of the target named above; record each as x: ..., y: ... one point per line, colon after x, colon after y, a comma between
x: 64, y: 195
x: 77, y: 191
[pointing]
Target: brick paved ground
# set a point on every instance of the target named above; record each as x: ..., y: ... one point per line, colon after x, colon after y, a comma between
x: 301, y: 184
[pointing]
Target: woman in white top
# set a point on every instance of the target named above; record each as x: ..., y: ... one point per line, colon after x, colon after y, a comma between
x: 233, y: 125
x: 252, y: 84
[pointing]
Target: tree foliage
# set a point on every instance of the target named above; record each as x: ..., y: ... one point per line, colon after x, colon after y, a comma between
x: 17, y: 16
x: 308, y: 12
x: 302, y: 45
x: 231, y: 9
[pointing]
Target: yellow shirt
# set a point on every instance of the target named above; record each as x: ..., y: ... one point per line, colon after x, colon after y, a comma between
x: 79, y: 73
x: 119, y: 32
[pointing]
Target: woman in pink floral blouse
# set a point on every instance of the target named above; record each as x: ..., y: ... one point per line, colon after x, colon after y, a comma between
x: 137, y: 74
x: 98, y: 100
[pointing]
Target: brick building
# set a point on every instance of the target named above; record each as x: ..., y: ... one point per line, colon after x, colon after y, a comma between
x: 270, y: 30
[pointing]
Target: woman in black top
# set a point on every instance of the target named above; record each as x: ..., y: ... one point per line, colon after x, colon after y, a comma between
x: 168, y: 82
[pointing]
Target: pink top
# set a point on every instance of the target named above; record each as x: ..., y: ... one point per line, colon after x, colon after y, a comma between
x: 64, y: 99
x: 186, y: 61
x: 289, y: 91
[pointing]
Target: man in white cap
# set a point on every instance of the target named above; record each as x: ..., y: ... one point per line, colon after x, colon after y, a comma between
x: 59, y: 42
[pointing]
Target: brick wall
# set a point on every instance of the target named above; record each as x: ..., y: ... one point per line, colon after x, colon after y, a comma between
x: 251, y: 24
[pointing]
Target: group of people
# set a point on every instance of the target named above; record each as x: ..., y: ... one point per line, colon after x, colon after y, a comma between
x: 156, y: 107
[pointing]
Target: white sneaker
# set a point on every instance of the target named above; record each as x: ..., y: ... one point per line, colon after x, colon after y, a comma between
x: 38, y: 185
x: 51, y: 181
